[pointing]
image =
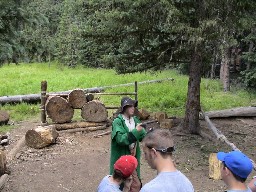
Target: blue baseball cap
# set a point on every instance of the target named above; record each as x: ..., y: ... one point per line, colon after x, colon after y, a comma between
x: 237, y: 162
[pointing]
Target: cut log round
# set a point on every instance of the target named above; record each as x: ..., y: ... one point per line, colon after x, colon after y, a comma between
x: 2, y: 162
x: 143, y: 114
x: 94, y: 111
x: 77, y: 98
x: 59, y: 110
x: 4, y: 117
x: 41, y: 137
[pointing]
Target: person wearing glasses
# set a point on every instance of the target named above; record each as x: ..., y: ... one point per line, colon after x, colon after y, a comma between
x: 235, y: 170
x: 126, y: 134
x: 158, y: 147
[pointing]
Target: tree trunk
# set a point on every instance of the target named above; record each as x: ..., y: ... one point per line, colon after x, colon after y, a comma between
x: 59, y: 110
x: 94, y: 111
x: 77, y: 98
x: 191, y: 121
x: 41, y: 137
x: 248, y: 64
x: 224, y: 71
x: 4, y: 117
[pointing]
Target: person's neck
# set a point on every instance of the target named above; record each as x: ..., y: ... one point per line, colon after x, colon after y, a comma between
x: 127, y: 115
x: 236, y: 185
x: 117, y: 182
x: 165, y: 165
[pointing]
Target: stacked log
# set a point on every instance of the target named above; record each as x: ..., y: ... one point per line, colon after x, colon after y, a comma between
x: 41, y: 137
x: 4, y: 117
x: 94, y: 111
x: 59, y: 110
x: 77, y: 98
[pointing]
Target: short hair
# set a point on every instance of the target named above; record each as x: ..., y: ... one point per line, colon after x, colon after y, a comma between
x: 159, y: 139
x: 118, y: 175
x: 238, y: 178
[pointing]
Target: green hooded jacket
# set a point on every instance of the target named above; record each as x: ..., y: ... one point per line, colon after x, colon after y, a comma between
x: 121, y: 138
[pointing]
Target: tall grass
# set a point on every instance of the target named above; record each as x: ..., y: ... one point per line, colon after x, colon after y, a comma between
x: 166, y: 96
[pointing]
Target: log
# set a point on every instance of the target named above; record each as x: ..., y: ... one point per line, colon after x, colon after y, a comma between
x: 21, y: 143
x: 41, y: 137
x: 94, y: 111
x: 2, y: 162
x: 4, y: 117
x: 77, y: 98
x: 235, y: 112
x: 143, y: 114
x: 74, y: 125
x: 222, y: 137
x: 84, y: 129
x: 159, y: 116
x: 166, y: 123
x: 214, y: 167
x: 34, y: 98
x: 59, y: 110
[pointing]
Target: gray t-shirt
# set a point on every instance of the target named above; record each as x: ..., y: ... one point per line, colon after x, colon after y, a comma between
x: 169, y: 181
x: 248, y: 190
x: 107, y: 186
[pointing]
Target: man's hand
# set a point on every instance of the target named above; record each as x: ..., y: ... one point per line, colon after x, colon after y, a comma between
x: 127, y: 184
x: 139, y: 127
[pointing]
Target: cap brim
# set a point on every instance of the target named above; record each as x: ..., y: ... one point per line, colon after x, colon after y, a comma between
x: 221, y: 156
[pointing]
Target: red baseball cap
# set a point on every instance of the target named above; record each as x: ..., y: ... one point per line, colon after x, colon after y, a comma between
x: 126, y: 164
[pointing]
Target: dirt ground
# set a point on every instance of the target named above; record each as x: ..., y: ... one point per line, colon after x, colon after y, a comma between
x: 78, y: 161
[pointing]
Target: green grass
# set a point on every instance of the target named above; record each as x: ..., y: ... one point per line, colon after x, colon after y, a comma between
x: 167, y: 96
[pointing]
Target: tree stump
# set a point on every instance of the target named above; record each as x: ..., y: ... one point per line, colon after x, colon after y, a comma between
x: 59, y: 110
x: 214, y: 167
x: 4, y: 117
x: 94, y: 111
x: 77, y: 98
x: 41, y: 137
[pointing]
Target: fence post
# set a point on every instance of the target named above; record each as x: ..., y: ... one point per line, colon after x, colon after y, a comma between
x: 136, y: 90
x: 43, y: 101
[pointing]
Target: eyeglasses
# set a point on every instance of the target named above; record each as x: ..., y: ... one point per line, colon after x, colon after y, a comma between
x: 166, y: 150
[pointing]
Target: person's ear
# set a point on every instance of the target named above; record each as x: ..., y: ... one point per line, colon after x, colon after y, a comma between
x: 226, y: 171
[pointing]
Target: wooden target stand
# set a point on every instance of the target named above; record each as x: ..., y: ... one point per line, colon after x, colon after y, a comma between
x: 45, y: 97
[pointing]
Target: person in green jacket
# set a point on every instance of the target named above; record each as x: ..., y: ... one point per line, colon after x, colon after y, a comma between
x: 127, y: 132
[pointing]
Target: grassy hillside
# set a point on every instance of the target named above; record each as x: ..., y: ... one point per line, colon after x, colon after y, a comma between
x: 167, y: 96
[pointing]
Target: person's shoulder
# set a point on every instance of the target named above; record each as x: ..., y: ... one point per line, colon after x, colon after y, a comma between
x: 150, y: 186
x: 118, y: 119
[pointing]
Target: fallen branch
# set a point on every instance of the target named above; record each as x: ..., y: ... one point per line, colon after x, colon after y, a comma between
x: 101, y: 134
x: 222, y: 137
